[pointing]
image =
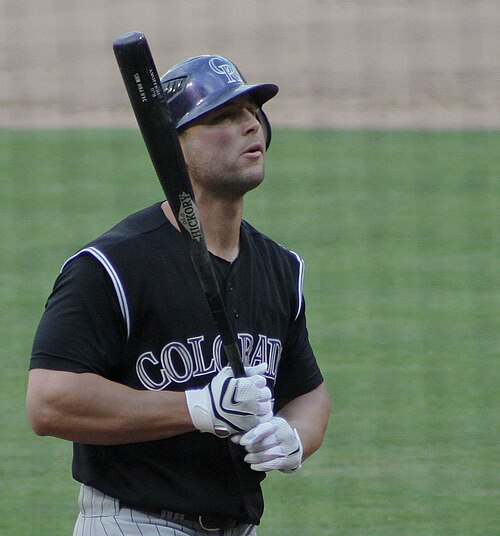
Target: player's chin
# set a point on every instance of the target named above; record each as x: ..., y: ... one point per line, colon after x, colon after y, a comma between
x: 245, y: 183
x: 254, y: 169
x: 253, y: 179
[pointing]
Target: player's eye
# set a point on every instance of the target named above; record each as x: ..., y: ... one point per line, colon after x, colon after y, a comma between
x: 232, y: 113
x: 253, y: 110
x: 223, y: 116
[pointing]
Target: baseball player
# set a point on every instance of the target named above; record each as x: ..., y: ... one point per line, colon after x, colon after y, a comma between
x: 127, y: 362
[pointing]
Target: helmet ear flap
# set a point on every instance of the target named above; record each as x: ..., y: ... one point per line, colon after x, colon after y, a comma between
x: 266, y: 126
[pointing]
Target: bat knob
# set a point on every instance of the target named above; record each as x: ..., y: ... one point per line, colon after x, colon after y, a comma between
x: 128, y: 38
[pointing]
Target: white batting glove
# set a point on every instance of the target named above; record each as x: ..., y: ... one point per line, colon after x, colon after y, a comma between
x: 272, y: 445
x: 229, y: 405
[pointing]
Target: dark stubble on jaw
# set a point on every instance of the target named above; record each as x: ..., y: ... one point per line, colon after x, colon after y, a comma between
x: 229, y: 186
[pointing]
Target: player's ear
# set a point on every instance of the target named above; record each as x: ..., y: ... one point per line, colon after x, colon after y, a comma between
x: 182, y: 140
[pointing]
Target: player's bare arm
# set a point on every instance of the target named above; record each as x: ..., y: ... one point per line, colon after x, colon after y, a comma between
x: 291, y: 436
x: 87, y: 408
x: 309, y: 414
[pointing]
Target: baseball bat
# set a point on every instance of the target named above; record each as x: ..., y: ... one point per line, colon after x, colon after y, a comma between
x: 149, y: 103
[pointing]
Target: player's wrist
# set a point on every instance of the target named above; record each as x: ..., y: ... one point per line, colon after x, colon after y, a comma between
x: 229, y: 405
x: 294, y: 458
x: 274, y: 445
x: 199, y: 404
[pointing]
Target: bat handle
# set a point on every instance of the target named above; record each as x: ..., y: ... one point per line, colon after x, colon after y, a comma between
x: 229, y: 343
x: 234, y: 360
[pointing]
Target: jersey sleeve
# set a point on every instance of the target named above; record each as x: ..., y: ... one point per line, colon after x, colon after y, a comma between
x: 298, y: 371
x: 82, y: 327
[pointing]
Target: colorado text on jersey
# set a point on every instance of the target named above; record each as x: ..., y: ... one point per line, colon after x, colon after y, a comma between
x: 179, y: 363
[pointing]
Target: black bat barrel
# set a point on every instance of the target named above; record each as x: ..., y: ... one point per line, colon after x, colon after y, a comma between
x: 143, y: 86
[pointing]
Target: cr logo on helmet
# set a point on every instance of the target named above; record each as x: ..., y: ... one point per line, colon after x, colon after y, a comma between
x: 222, y: 66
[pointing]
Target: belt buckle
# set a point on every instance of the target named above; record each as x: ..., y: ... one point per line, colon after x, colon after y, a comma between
x: 211, y: 524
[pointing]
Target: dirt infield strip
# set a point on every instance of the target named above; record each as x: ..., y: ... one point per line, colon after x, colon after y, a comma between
x: 356, y: 63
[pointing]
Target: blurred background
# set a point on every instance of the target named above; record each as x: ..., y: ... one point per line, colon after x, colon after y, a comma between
x: 355, y: 63
x: 383, y: 173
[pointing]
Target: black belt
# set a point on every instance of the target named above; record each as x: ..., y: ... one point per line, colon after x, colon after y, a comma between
x: 206, y: 522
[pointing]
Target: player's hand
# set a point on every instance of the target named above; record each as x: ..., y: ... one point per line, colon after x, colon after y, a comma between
x: 229, y: 405
x: 272, y: 445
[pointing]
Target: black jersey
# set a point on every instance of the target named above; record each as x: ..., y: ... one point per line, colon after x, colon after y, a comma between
x: 130, y: 308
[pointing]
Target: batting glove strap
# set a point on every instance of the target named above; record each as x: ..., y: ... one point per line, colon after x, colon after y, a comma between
x: 229, y: 405
x: 273, y: 445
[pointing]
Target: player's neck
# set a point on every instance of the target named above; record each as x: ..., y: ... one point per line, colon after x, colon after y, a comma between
x: 221, y: 227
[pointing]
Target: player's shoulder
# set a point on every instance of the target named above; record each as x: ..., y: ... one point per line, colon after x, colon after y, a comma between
x: 266, y: 245
x: 134, y: 231
x: 132, y: 237
x: 140, y: 223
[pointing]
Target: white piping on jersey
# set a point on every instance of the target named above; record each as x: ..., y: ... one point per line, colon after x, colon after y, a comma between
x: 300, y: 283
x: 122, y: 298
x: 120, y: 292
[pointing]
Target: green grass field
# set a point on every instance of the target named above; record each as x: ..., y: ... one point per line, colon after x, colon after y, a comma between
x: 400, y: 234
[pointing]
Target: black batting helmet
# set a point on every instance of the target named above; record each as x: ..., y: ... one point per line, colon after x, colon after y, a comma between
x: 201, y: 84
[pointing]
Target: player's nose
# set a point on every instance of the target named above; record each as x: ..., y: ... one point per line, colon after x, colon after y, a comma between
x: 250, y: 122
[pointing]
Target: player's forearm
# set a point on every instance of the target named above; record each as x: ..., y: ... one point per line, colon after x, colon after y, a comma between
x: 309, y: 414
x: 87, y: 408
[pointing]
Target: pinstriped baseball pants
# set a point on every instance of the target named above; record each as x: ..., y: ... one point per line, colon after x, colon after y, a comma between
x: 101, y: 515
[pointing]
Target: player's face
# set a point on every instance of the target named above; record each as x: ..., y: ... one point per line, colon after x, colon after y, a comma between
x: 224, y: 150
